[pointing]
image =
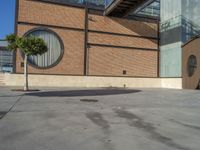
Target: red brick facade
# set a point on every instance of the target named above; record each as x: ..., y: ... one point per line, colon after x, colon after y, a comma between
x: 114, y: 44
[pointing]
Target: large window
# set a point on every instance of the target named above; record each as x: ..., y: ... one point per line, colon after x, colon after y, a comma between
x: 6, y: 63
x: 55, y: 49
x: 6, y: 58
x: 192, y: 65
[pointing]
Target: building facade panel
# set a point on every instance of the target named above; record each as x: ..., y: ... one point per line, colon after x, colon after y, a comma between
x: 179, y: 23
x: 50, y: 14
x: 116, y: 40
x: 69, y: 23
x: 122, y: 26
x: 73, y: 57
x: 191, y: 80
x: 122, y: 62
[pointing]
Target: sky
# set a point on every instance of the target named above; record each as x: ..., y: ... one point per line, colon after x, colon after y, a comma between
x: 7, y: 17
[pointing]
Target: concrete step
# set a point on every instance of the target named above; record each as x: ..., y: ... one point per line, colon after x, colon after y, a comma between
x: 2, y: 83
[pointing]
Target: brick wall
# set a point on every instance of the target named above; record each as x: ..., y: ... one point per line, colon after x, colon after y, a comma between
x: 113, y: 61
x: 191, y: 48
x: 43, y: 13
x: 101, y: 60
x: 123, y: 26
x: 72, y: 61
x: 117, y: 40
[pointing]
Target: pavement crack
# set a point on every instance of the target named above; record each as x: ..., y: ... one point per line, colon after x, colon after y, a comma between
x: 138, y: 122
x: 4, y: 113
x: 186, y: 125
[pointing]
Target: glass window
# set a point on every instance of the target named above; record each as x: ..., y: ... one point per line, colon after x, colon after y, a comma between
x: 108, y: 2
x: 192, y: 65
x: 152, y: 10
x: 6, y: 58
x: 95, y: 3
x: 180, y: 21
x: 55, y: 49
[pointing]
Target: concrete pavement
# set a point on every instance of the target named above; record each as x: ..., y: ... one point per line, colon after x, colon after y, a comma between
x: 131, y: 119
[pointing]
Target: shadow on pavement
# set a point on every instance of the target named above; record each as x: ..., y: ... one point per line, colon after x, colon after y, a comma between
x: 74, y: 93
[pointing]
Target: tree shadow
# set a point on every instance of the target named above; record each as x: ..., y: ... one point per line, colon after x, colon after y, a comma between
x: 76, y: 93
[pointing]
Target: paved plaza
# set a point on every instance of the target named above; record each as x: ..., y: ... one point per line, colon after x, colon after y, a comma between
x: 99, y: 119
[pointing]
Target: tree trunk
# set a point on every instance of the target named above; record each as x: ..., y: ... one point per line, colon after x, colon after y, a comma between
x: 25, y: 74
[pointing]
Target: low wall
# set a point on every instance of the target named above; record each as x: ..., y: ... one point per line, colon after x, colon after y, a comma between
x: 171, y: 83
x: 91, y: 81
x: 1, y: 79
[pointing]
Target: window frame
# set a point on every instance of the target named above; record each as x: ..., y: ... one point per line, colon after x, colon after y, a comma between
x: 61, y: 46
x: 191, y: 66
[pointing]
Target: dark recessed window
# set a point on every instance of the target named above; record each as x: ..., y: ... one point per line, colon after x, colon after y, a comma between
x: 191, y: 65
x: 55, y: 49
x: 124, y: 71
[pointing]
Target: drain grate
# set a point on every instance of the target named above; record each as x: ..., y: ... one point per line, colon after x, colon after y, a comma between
x: 88, y: 100
x: 2, y: 114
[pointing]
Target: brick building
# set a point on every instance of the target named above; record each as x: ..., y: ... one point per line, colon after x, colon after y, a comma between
x: 89, y: 42
x: 96, y: 43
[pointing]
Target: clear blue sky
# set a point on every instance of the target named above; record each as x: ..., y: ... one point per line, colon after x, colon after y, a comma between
x: 7, y: 17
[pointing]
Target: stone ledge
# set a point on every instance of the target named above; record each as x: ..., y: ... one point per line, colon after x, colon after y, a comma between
x: 91, y: 81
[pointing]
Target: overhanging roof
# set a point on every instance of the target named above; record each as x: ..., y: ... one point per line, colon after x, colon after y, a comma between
x: 121, y: 8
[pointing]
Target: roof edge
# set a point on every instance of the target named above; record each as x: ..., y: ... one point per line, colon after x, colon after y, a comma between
x: 192, y: 39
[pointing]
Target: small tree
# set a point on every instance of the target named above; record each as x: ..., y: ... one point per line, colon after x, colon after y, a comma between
x: 29, y: 46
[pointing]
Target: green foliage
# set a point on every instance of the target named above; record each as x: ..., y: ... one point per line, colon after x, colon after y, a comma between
x: 12, y: 42
x: 32, y: 45
x: 28, y: 45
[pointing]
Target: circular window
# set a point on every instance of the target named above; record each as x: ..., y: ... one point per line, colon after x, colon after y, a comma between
x: 55, y: 49
x: 191, y: 65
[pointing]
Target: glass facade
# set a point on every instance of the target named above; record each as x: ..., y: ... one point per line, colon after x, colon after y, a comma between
x: 90, y: 3
x: 6, y: 58
x: 190, y: 19
x: 108, y: 2
x: 179, y: 23
x: 152, y: 9
x: 95, y: 3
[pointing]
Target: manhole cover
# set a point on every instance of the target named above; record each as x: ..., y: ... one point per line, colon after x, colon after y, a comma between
x: 89, y: 100
x: 2, y: 114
